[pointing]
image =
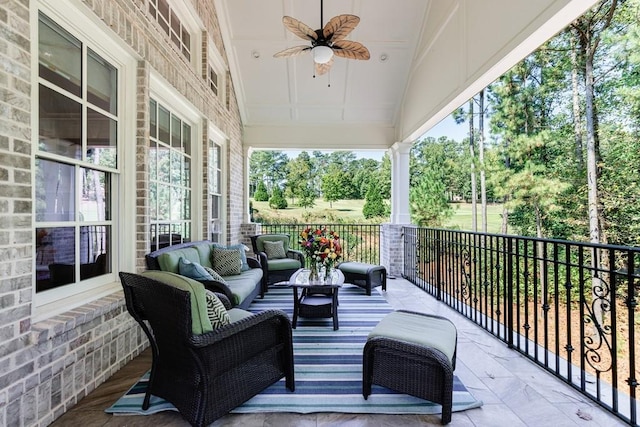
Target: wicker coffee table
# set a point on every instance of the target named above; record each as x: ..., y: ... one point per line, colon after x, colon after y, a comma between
x: 313, y: 299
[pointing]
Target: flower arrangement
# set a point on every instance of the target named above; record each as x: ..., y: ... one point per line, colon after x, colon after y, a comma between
x: 321, y: 246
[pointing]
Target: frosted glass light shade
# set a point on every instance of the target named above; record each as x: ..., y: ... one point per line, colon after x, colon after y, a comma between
x: 322, y: 54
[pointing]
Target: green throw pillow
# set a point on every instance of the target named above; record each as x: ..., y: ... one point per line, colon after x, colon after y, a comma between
x: 274, y: 250
x: 226, y: 261
x: 215, y: 309
x: 215, y: 276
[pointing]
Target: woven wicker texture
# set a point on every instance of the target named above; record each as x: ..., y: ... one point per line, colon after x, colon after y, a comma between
x: 205, y: 376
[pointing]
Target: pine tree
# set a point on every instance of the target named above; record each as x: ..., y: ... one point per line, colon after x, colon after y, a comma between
x: 277, y: 200
x: 374, y: 203
x: 261, y: 194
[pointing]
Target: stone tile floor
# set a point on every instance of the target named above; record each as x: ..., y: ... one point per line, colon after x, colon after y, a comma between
x: 515, y: 392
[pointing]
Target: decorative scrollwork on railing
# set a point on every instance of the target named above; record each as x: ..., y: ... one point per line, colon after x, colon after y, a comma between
x: 465, y: 273
x: 597, y: 319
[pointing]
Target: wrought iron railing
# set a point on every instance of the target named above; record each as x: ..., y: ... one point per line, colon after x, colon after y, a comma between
x: 570, y: 307
x: 360, y: 242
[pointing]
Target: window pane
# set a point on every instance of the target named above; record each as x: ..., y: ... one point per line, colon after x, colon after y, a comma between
x: 101, y: 139
x: 95, y: 243
x: 186, y: 232
x: 55, y: 257
x: 102, y: 83
x: 59, y: 56
x: 215, y: 207
x: 55, y: 191
x: 153, y: 162
x: 153, y: 121
x: 176, y: 168
x: 176, y: 203
x: 153, y: 200
x: 187, y: 172
x: 163, y: 164
x: 96, y: 195
x: 186, y: 138
x: 60, y: 124
x: 176, y: 127
x: 163, y: 124
x: 164, y: 203
x: 186, y: 204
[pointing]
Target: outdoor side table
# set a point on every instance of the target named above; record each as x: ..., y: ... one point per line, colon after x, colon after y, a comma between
x: 314, y: 299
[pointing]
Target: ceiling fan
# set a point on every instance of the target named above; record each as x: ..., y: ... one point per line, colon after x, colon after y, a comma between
x: 325, y: 42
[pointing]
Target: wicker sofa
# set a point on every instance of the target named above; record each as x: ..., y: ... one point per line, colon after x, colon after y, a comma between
x: 241, y: 289
x: 203, y: 370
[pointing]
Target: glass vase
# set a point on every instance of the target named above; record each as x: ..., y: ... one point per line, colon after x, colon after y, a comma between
x: 313, y: 274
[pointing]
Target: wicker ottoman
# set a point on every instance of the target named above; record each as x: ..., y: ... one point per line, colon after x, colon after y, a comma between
x: 412, y: 353
x: 366, y: 276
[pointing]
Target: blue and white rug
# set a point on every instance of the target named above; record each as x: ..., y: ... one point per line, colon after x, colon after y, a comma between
x: 328, y: 367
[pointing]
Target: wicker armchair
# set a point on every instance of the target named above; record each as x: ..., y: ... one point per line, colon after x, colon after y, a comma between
x: 206, y: 375
x: 276, y: 270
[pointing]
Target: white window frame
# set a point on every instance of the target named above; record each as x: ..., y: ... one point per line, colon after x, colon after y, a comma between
x: 217, y: 137
x: 166, y: 95
x: 215, y: 62
x: 100, y: 39
x: 189, y: 19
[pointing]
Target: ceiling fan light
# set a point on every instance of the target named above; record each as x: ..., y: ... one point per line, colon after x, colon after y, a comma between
x: 322, y: 54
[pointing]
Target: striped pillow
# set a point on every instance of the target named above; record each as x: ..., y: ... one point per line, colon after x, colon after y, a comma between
x: 216, y: 311
x: 215, y: 276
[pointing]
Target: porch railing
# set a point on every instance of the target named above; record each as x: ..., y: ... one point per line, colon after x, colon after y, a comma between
x: 570, y: 307
x: 360, y: 242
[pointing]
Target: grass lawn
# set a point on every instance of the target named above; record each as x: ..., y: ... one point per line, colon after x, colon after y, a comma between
x: 351, y: 210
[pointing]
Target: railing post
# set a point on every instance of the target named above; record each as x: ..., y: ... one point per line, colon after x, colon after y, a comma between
x: 509, y: 285
x: 438, y: 240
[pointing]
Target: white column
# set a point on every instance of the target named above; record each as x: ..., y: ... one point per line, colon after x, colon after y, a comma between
x: 247, y: 156
x: 400, y: 183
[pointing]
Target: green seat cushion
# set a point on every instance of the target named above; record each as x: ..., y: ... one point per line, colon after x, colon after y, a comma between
x: 427, y: 331
x: 283, y: 264
x: 236, y: 314
x: 200, y: 322
x: 243, y: 284
x: 356, y: 267
x: 169, y: 261
x: 204, y: 251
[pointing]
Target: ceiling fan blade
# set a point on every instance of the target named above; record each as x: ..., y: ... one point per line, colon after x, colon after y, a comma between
x: 351, y: 50
x: 299, y: 29
x: 323, y: 68
x: 339, y: 27
x: 291, y: 51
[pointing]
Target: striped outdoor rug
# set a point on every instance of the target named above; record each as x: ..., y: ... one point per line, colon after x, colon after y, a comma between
x: 328, y: 366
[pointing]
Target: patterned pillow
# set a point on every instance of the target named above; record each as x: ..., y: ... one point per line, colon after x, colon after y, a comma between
x: 226, y: 261
x: 192, y: 270
x: 216, y: 311
x: 274, y: 250
x: 241, y: 250
x: 215, y: 276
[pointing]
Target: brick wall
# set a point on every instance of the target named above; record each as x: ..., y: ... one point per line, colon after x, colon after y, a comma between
x: 48, y: 366
x: 391, y: 252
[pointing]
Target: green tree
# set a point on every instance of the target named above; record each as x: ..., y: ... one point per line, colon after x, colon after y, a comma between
x: 335, y: 184
x: 300, y: 176
x: 267, y: 167
x: 428, y: 202
x: 277, y: 200
x: 374, y: 205
x: 261, y: 194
